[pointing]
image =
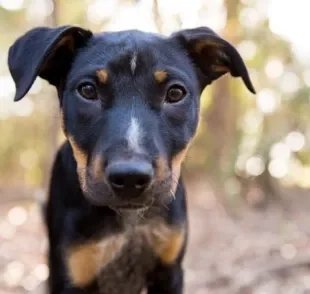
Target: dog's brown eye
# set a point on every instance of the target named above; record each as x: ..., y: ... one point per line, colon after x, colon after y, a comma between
x: 175, y: 94
x: 88, y: 91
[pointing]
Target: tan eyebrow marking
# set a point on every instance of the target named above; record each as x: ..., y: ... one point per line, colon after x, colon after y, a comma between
x: 160, y: 76
x: 102, y: 75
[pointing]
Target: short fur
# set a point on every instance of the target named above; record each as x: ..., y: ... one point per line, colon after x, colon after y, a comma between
x: 102, y: 241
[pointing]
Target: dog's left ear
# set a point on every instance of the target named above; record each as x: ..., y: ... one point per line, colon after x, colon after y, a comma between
x: 44, y: 52
x: 213, y: 55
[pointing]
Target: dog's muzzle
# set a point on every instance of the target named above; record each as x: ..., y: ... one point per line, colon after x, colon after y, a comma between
x: 129, y: 178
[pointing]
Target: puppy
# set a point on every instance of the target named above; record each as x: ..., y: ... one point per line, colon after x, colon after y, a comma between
x: 129, y: 105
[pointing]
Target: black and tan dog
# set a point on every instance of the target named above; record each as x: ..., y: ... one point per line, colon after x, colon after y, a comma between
x: 116, y: 213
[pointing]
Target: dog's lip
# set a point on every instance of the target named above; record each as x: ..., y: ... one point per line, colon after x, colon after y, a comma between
x: 131, y: 206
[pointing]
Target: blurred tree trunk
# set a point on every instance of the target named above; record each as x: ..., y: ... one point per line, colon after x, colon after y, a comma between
x: 221, y: 119
x: 53, y: 118
x: 156, y: 14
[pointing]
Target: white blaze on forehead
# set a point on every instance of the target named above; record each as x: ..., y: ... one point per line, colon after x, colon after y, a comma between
x: 134, y: 135
x: 133, y: 62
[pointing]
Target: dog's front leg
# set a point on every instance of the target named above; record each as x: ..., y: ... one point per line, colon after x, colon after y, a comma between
x: 167, y: 280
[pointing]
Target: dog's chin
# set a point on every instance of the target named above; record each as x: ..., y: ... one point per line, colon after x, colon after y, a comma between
x: 130, y: 209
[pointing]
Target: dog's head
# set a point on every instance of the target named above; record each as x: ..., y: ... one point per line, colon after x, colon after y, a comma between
x: 129, y: 101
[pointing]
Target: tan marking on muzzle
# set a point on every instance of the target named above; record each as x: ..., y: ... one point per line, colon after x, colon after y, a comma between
x: 161, y: 168
x: 176, y: 167
x: 81, y: 160
x: 97, y: 166
x: 85, y: 261
x: 102, y: 76
x: 160, y: 76
x: 62, y: 121
x: 166, y: 241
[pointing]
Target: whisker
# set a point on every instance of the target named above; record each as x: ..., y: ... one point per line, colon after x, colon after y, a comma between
x: 174, y: 179
x: 141, y: 214
x: 164, y: 205
x: 117, y: 211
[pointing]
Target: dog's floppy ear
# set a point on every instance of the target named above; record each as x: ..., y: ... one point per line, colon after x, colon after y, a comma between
x: 213, y: 55
x: 44, y: 52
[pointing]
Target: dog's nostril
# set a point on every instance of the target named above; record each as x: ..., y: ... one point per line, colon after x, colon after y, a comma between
x: 117, y: 181
x: 133, y: 175
x: 142, y: 181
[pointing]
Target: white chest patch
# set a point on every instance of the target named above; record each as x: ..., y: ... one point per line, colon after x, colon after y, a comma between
x: 133, y: 62
x: 134, y: 135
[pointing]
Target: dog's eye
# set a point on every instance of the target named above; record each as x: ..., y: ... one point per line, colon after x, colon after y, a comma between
x: 88, y: 91
x: 175, y: 94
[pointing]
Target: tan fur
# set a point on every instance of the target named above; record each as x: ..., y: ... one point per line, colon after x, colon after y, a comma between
x: 102, y: 76
x: 81, y: 160
x: 160, y: 76
x: 62, y: 121
x: 165, y: 241
x: 161, y: 168
x: 176, y: 167
x: 85, y: 261
x: 97, y: 165
x: 220, y: 68
x: 206, y: 43
x: 66, y: 41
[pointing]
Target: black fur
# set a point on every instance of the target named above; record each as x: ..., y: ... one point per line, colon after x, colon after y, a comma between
x: 81, y: 205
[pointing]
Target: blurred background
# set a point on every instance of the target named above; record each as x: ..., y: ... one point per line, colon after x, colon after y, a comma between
x: 247, y: 172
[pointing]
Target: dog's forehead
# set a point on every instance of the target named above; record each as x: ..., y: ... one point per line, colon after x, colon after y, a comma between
x: 127, y: 38
x: 131, y: 49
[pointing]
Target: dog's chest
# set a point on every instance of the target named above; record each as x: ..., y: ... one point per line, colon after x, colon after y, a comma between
x: 127, y: 272
x: 120, y: 263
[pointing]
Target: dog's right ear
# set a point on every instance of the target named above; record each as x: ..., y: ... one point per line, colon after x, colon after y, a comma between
x: 213, y: 55
x: 44, y: 52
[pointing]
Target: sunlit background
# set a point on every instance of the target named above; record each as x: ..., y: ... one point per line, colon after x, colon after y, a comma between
x: 247, y: 172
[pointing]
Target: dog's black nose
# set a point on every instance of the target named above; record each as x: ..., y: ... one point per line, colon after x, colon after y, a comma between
x: 132, y: 175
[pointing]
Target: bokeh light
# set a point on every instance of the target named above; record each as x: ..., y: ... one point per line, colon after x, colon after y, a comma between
x: 41, y: 272
x: 99, y: 10
x: 17, y: 215
x: 280, y: 150
x: 12, y: 4
x: 266, y: 101
x: 13, y: 273
x: 28, y: 158
x: 255, y: 166
x: 274, y: 68
x: 288, y: 251
x: 295, y: 140
x: 278, y: 168
x: 290, y: 82
x: 247, y: 49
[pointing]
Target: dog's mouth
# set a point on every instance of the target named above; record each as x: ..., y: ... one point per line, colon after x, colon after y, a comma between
x: 129, y: 206
x: 133, y: 206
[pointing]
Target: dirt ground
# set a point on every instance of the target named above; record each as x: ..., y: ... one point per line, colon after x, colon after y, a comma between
x: 262, y: 252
